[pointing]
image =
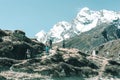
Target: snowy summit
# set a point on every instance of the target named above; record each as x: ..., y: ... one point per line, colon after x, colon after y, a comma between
x: 85, y: 20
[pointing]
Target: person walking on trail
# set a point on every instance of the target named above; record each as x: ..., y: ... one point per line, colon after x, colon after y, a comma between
x: 47, y: 48
x: 28, y: 54
x: 93, y: 53
x: 63, y: 44
x: 50, y: 43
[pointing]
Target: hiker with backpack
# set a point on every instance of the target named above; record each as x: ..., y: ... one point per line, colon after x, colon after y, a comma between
x: 47, y: 48
x: 50, y: 43
x: 63, y: 43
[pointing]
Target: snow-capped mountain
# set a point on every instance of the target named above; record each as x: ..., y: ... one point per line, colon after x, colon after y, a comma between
x: 41, y: 36
x: 85, y: 20
x: 60, y: 30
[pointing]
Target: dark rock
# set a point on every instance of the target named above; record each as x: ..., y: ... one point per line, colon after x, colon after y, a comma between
x: 114, y: 62
x: 2, y: 78
x: 15, y: 45
x: 20, y: 36
x: 6, y: 63
x: 2, y: 33
x: 8, y: 32
x: 57, y: 58
x: 113, y: 69
x: 15, y: 50
x: 19, y: 50
x: 1, y: 39
x: 19, y: 32
x: 111, y: 33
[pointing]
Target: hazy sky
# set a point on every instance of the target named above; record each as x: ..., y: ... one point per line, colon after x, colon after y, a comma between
x: 32, y: 16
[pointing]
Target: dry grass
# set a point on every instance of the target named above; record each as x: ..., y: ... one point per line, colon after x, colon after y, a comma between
x: 11, y: 75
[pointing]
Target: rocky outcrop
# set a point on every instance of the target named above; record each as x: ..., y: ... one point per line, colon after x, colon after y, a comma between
x: 14, y: 44
x: 6, y: 63
x: 111, y: 32
x: 60, y: 63
x: 2, y: 33
x: 113, y: 69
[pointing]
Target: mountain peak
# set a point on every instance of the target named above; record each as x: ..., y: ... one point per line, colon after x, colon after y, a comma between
x: 85, y: 20
x: 84, y: 9
x: 41, y: 36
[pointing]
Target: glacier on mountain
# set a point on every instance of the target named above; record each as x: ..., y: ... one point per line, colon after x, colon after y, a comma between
x: 85, y: 20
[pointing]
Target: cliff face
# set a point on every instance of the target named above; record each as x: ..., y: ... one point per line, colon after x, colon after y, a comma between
x: 14, y: 44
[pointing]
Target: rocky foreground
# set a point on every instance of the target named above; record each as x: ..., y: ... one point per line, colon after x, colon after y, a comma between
x: 60, y: 63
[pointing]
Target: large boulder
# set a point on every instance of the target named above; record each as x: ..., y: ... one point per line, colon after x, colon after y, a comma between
x: 6, y: 63
x: 19, y: 32
x: 16, y: 50
x: 15, y: 45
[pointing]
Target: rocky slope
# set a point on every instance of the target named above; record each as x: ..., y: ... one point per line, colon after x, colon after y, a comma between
x: 61, y: 63
x: 14, y: 44
x: 97, y: 36
x: 110, y: 50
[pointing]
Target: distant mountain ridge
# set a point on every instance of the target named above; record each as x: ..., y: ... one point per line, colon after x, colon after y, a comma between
x: 103, y: 33
x: 85, y: 20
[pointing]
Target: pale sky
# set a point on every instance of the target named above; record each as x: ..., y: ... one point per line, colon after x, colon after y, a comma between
x: 33, y: 16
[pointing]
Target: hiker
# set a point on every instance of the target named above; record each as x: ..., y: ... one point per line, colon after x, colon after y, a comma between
x: 47, y: 48
x: 93, y: 53
x: 63, y: 44
x: 28, y: 53
x: 50, y: 43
